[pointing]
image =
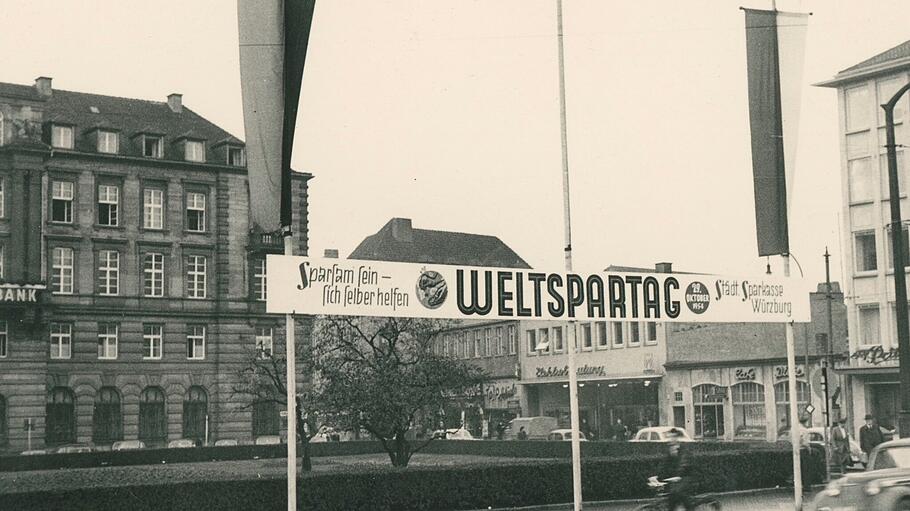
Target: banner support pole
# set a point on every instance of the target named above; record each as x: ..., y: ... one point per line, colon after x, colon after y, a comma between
x: 795, y: 427
x: 291, y: 389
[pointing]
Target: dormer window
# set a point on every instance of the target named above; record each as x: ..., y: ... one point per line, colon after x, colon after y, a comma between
x: 235, y: 156
x: 62, y: 136
x: 108, y: 142
x: 152, y: 146
x: 194, y: 150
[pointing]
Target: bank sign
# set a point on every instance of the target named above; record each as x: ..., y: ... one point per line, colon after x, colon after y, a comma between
x: 306, y: 285
x: 14, y: 293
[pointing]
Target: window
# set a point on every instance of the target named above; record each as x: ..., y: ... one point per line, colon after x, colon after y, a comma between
x: 601, y: 331
x: 886, y: 90
x: 749, y: 410
x: 259, y: 280
x: 108, y: 204
x: 866, y: 257
x: 61, y: 340
x: 4, y: 431
x: 478, y: 344
x: 869, y: 325
x: 708, y: 403
x: 107, y: 341
x: 861, y: 180
x: 264, y: 342
x: 152, y: 147
x: 194, y: 150
x: 904, y: 241
x: 782, y: 401
x: 4, y: 341
x: 195, y: 212
x: 543, y: 341
x: 152, y: 341
x: 153, y: 274
x: 901, y: 175
x: 2, y: 196
x: 265, y: 418
x: 195, y: 276
x: 513, y: 340
x: 152, y: 416
x: 235, y: 157
x: 195, y: 343
x: 558, y: 342
x: 60, y: 420
x: 1, y: 262
x: 62, y: 202
x: 195, y: 410
x: 651, y: 338
x: 532, y: 341
x: 107, y: 423
x: 634, y: 334
x: 858, y: 108
x: 618, y: 340
x: 153, y: 208
x: 62, y: 136
x: 587, y: 341
x: 108, y: 272
x: 108, y: 142
x: 62, y: 271
x: 501, y: 348
x: 487, y: 342
x: 468, y: 344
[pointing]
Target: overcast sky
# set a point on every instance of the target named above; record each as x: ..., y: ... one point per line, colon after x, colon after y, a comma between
x: 447, y: 112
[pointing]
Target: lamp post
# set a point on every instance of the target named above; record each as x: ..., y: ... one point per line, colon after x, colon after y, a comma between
x: 900, y: 281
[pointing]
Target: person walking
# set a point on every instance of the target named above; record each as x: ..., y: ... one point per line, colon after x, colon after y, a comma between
x: 676, y: 471
x: 870, y: 435
x: 841, y: 445
x: 620, y: 431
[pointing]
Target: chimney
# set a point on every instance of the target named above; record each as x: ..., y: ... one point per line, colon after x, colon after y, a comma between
x: 331, y: 253
x: 175, y: 102
x: 663, y: 267
x: 43, y: 86
x: 402, y: 230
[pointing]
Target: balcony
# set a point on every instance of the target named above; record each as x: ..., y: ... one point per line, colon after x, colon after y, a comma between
x: 268, y: 242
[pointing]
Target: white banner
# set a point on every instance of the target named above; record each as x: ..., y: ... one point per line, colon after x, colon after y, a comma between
x: 307, y: 285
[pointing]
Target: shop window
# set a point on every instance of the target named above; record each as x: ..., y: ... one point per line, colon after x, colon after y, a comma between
x: 152, y: 415
x: 708, y: 401
x: 265, y: 418
x: 782, y: 402
x: 749, y: 410
x: 107, y: 424
x: 195, y: 410
x: 60, y: 420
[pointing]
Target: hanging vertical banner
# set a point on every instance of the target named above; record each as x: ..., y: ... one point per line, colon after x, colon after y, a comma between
x: 273, y: 37
x: 775, y: 50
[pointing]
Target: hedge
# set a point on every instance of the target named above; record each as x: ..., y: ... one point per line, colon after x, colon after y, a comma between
x: 435, y: 488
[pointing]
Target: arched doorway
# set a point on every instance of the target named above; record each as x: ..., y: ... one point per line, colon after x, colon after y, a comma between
x: 61, y: 417
x: 195, y: 409
x: 107, y: 423
x: 708, y: 401
x: 152, y: 416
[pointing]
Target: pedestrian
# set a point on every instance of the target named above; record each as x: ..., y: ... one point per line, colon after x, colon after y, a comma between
x: 620, y: 431
x: 500, y: 430
x: 841, y: 445
x: 870, y: 435
x: 676, y: 468
x: 522, y: 434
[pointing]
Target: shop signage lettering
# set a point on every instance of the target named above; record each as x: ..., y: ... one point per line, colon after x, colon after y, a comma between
x: 501, y: 391
x: 305, y: 285
x: 745, y: 373
x: 781, y: 372
x: 19, y: 294
x: 560, y: 372
x: 876, y: 355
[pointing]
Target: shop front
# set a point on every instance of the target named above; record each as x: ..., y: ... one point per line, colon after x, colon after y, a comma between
x: 501, y: 404
x: 874, y: 385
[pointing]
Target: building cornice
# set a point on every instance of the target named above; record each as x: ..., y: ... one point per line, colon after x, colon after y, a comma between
x: 865, y: 73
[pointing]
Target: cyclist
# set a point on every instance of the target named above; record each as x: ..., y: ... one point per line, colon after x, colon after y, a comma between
x: 676, y: 468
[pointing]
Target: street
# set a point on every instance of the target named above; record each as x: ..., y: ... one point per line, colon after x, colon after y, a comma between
x: 763, y: 500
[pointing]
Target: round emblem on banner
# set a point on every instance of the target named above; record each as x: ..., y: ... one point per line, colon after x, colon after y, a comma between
x: 431, y: 289
x: 697, y: 297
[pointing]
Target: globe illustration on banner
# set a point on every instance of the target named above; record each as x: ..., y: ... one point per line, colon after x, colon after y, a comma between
x: 431, y: 289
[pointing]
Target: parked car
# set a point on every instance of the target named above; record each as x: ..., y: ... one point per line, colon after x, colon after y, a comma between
x: 660, y: 434
x: 537, y: 428
x: 33, y: 452
x: 454, y: 434
x: 817, y: 437
x: 268, y: 440
x: 128, y: 445
x: 74, y: 448
x: 883, y: 486
x: 226, y: 441
x: 181, y: 443
x: 565, y: 434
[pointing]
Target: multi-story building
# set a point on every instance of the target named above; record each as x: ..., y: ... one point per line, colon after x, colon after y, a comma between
x: 866, y: 241
x: 490, y: 345
x: 132, y: 282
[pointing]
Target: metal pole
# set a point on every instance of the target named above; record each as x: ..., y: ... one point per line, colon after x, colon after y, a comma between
x: 826, y: 367
x: 573, y: 377
x: 900, y: 284
x: 29, y: 434
x: 794, y: 411
x: 291, y: 387
x: 206, y: 429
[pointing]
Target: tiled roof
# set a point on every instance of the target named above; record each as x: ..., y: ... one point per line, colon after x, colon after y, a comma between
x: 131, y: 117
x: 398, y: 241
x: 898, y: 52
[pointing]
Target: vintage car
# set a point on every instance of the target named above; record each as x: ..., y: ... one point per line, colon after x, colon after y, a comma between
x: 660, y: 434
x: 566, y: 435
x: 883, y: 486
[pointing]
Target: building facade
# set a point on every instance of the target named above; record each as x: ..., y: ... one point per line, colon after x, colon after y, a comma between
x: 866, y: 219
x: 136, y: 282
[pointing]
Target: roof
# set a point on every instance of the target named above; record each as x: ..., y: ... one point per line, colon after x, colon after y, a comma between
x: 129, y: 116
x: 398, y: 241
x: 888, y: 60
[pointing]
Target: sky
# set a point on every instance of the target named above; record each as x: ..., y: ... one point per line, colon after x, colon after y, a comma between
x: 447, y: 112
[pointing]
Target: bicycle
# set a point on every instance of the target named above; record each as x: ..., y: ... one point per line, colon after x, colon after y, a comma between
x: 659, y: 487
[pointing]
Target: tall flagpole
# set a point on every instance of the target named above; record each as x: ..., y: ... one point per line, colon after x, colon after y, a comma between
x: 795, y: 428
x: 572, y: 330
x: 291, y: 387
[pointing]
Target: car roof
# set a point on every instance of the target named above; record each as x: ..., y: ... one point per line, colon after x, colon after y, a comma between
x: 660, y: 429
x: 901, y: 442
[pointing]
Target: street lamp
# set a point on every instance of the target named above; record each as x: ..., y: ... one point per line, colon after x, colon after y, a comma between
x: 900, y: 284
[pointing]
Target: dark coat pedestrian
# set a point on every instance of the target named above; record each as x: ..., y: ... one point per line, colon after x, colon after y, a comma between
x: 870, y: 435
